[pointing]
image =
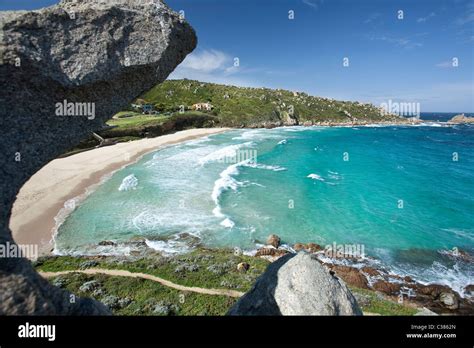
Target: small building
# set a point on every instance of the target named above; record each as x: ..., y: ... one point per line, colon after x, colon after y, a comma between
x: 202, y: 106
x: 147, y: 109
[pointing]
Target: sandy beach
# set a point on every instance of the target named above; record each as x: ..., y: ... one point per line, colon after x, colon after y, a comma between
x: 44, y: 195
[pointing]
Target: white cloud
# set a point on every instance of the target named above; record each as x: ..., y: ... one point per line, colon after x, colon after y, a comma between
x: 424, y: 19
x: 212, y: 66
x: 446, y: 64
x: 372, y: 18
x: 206, y: 61
x: 402, y: 42
x: 468, y: 16
x: 313, y: 3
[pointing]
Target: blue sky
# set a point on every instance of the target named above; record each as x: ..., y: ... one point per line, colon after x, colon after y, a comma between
x: 409, y: 59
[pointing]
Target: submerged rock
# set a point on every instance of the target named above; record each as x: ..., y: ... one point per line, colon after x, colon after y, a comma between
x: 297, y: 285
x: 94, y: 55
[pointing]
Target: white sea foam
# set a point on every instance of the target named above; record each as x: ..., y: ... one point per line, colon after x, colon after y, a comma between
x: 224, y: 183
x: 94, y: 250
x: 265, y: 166
x: 334, y: 175
x: 293, y: 128
x: 169, y: 246
x: 130, y: 182
x: 229, y: 152
x: 460, y: 233
x: 315, y: 177
x: 257, y: 134
x: 282, y: 142
x: 228, y: 223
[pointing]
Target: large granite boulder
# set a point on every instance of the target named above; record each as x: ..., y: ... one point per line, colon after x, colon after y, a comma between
x: 297, y: 285
x: 94, y: 55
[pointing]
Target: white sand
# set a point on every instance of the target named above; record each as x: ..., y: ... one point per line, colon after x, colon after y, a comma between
x: 43, y: 196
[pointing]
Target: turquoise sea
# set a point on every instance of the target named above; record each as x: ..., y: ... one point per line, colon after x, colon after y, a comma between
x: 406, y: 193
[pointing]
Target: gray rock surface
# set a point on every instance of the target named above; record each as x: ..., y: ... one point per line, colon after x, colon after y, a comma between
x: 101, y: 52
x: 297, y: 285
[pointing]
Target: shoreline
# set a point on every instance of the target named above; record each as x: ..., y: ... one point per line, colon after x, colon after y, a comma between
x: 43, y: 196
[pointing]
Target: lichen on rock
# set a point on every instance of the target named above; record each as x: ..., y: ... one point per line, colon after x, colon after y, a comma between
x: 92, y: 53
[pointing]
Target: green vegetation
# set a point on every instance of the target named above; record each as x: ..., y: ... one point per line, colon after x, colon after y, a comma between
x: 241, y: 106
x: 134, y: 296
x: 373, y: 302
x: 206, y: 268
x: 232, y: 106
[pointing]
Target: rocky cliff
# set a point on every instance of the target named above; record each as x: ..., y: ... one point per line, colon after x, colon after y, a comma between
x: 64, y: 70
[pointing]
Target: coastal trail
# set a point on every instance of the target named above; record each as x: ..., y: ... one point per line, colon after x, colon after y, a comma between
x: 123, y: 273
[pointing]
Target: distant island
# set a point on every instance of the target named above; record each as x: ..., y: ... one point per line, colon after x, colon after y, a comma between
x: 461, y: 119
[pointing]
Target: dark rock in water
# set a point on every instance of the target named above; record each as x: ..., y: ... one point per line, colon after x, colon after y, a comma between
x: 351, y: 276
x: 96, y: 56
x: 273, y: 240
x: 190, y: 240
x: 420, y: 257
x: 297, y: 285
x: 469, y: 289
x: 107, y: 243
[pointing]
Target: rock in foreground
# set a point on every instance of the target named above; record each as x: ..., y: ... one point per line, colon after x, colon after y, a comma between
x: 93, y: 57
x: 297, y: 285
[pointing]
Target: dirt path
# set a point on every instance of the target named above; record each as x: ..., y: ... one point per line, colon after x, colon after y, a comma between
x: 123, y: 273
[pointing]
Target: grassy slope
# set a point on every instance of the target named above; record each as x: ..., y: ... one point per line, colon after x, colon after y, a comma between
x: 233, y: 107
x: 212, y: 269
x: 145, y: 295
x: 238, y: 106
